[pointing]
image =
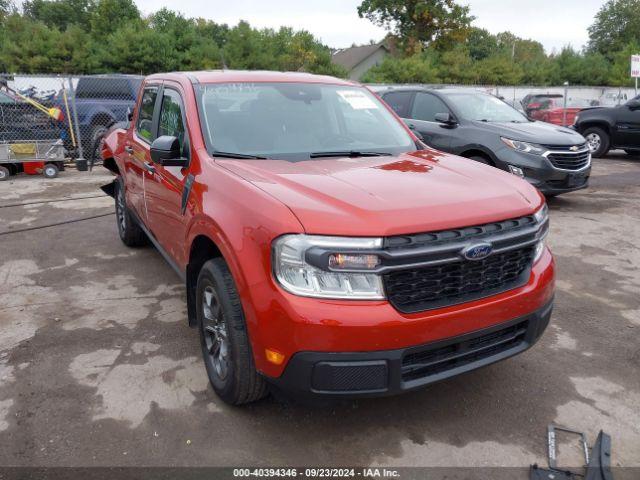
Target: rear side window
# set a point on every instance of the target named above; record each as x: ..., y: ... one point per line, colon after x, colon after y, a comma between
x: 105, y: 88
x: 400, y: 102
x: 145, y: 115
x: 427, y: 106
x: 171, y: 118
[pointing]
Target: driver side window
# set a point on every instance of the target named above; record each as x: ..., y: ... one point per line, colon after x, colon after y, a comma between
x: 171, y: 116
x: 427, y: 106
x: 144, y: 124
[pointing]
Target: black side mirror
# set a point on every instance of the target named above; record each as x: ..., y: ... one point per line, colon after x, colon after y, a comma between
x: 129, y: 114
x: 445, y: 119
x: 166, y: 151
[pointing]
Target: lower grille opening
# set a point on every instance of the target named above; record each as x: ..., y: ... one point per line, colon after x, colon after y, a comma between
x: 425, y: 288
x: 430, y: 362
x: 349, y: 376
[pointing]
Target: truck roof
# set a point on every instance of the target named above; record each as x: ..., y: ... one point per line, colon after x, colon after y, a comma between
x: 230, y: 76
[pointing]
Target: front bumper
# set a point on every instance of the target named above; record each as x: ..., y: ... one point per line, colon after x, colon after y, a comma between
x: 540, y: 173
x: 389, y: 372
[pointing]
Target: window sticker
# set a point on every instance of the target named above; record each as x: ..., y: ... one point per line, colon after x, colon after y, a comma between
x: 357, y: 99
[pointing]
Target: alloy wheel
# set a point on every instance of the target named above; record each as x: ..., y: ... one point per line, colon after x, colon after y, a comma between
x: 593, y: 142
x: 215, y: 332
x: 120, y: 210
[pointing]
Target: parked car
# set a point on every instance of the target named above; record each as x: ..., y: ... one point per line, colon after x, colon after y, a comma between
x: 101, y: 101
x: 483, y: 128
x: 553, y: 110
x: 607, y: 128
x: 323, y: 252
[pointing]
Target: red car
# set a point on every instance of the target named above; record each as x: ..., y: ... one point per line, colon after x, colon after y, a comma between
x: 324, y: 249
x: 551, y: 109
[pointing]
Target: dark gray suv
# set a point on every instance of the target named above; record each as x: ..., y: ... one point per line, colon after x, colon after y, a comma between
x: 484, y: 128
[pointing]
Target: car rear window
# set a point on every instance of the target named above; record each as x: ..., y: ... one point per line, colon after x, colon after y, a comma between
x: 106, y: 88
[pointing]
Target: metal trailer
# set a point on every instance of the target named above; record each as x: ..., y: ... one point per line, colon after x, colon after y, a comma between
x: 32, y: 157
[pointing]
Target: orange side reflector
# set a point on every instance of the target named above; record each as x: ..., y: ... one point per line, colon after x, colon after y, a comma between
x: 274, y: 357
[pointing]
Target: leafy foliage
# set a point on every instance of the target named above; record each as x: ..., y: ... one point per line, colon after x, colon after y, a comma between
x: 475, y: 56
x: 96, y: 36
x: 420, y: 23
x: 616, y: 25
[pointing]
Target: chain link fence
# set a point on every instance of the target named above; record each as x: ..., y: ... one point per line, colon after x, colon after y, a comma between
x: 47, y: 121
x: 57, y: 119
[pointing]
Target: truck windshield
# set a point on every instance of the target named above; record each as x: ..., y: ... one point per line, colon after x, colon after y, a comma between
x: 297, y: 121
x: 484, y: 108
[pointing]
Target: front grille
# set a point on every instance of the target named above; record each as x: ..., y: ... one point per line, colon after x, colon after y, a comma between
x: 562, y: 156
x: 565, y: 148
x: 432, y: 361
x: 436, y: 286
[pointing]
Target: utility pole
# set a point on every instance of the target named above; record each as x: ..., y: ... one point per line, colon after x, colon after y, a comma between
x: 564, y: 110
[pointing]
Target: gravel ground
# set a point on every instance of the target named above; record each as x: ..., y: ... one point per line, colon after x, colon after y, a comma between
x: 99, y: 368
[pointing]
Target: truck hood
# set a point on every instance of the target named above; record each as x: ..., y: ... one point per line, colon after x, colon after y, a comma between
x: 535, y: 132
x: 414, y: 192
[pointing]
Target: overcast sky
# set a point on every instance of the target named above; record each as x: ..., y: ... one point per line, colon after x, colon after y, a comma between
x: 554, y: 23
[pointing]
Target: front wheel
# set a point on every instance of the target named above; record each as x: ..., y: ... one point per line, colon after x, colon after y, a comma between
x: 4, y: 174
x: 226, y: 350
x: 130, y: 232
x: 597, y: 141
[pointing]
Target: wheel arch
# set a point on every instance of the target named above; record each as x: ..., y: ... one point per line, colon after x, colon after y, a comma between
x: 204, y: 246
x: 102, y: 117
x: 604, y: 125
x: 478, y: 152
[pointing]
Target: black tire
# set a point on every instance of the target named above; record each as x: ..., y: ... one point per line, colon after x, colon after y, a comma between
x: 97, y: 136
x: 50, y: 170
x: 598, y: 141
x: 479, y: 159
x: 130, y: 232
x: 226, y: 350
x: 4, y: 174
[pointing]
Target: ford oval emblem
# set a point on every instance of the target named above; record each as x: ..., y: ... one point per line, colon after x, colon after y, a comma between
x: 477, y: 251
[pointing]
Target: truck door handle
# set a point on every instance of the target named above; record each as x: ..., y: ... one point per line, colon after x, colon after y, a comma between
x: 128, y: 149
x: 150, y: 168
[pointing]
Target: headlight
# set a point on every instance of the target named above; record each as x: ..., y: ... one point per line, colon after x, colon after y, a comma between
x: 523, y: 146
x: 541, y: 217
x: 297, y: 276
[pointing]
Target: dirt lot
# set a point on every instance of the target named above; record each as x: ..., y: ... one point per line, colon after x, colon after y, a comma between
x: 99, y: 367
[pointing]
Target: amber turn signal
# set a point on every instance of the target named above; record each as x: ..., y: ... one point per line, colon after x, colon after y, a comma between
x: 274, y: 357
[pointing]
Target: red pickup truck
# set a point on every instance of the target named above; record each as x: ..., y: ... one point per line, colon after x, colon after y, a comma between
x: 324, y: 249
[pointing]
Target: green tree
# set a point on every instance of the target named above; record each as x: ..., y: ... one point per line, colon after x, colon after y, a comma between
x: 481, y: 43
x: 615, y: 26
x: 419, y: 23
x: 112, y: 14
x: 6, y: 7
x: 59, y: 13
x: 620, y: 71
x: 137, y: 49
x: 419, y: 68
x: 499, y: 70
x: 456, y: 66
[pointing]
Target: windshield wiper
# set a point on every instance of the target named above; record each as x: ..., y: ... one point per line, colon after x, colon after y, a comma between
x: 241, y: 156
x: 348, y: 153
